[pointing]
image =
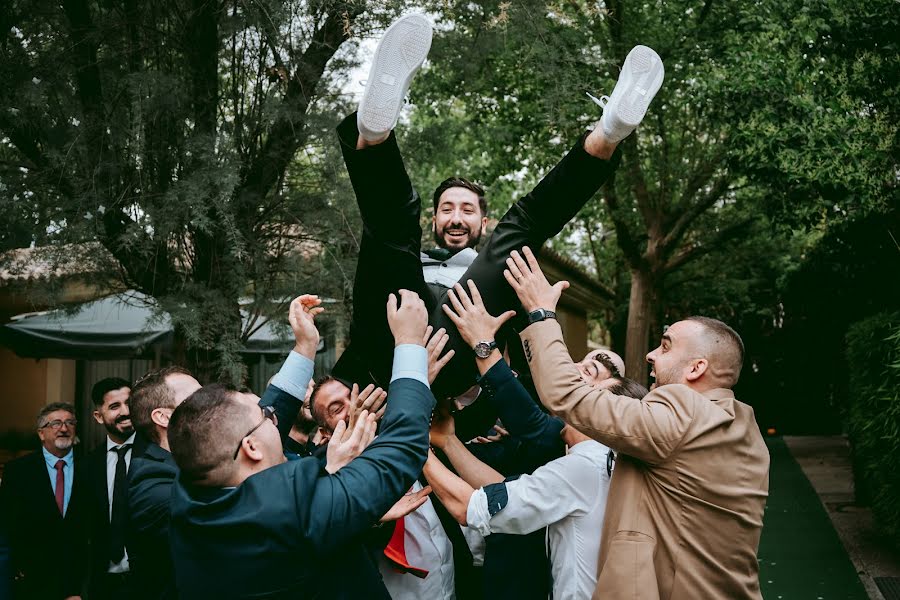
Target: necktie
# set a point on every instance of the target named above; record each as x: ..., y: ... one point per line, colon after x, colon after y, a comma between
x: 60, y: 487
x: 119, y: 511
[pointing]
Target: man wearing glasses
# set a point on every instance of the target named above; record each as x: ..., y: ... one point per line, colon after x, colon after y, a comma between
x: 292, y: 527
x: 41, y: 499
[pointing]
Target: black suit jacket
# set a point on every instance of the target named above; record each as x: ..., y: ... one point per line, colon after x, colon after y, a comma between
x: 47, y: 551
x: 293, y: 530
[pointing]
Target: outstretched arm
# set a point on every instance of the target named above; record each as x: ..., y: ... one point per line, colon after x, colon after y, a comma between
x: 453, y: 492
x: 473, y: 471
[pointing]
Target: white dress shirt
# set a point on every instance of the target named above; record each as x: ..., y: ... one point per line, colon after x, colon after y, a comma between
x: 112, y: 458
x: 448, y: 272
x: 568, y: 496
x: 427, y: 547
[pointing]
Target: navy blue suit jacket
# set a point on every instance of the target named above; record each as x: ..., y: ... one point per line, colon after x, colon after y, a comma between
x: 151, y: 477
x: 280, y: 528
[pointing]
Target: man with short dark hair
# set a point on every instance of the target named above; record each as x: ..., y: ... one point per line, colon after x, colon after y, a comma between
x: 239, y: 502
x: 684, y: 515
x: 390, y: 251
x: 106, y: 470
x: 154, y: 399
x: 42, y: 498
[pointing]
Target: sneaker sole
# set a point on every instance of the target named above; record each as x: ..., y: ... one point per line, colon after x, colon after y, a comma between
x: 399, y: 54
x: 642, y: 74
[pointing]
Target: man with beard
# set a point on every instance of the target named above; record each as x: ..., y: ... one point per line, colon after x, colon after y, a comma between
x: 107, y: 468
x: 42, y: 499
x: 685, y: 510
x: 390, y: 255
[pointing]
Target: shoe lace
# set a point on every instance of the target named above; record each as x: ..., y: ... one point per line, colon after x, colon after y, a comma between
x: 601, y: 101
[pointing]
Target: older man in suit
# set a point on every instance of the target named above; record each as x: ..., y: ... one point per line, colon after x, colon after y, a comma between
x: 686, y: 504
x: 41, y: 502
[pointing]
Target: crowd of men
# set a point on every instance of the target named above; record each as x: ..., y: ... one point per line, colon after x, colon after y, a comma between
x: 456, y: 450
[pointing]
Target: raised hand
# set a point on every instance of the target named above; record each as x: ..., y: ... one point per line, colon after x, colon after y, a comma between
x: 301, y: 316
x: 371, y: 400
x: 435, y: 344
x: 408, y: 320
x: 405, y: 505
x: 528, y: 281
x: 346, y: 443
x: 471, y: 318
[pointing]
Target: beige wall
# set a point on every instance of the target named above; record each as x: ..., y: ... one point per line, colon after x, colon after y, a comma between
x: 27, y: 384
x: 575, y: 331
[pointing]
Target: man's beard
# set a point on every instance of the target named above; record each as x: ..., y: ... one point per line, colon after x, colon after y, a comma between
x: 63, y: 443
x: 471, y: 241
x: 114, y: 429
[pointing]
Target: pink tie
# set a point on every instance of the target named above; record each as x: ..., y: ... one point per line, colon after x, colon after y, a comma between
x: 60, y: 486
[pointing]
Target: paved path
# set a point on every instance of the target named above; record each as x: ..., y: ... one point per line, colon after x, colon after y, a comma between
x: 800, y: 554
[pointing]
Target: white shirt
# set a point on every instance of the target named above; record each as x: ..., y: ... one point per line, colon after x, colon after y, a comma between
x: 427, y: 547
x: 112, y: 458
x: 568, y: 496
x: 447, y: 272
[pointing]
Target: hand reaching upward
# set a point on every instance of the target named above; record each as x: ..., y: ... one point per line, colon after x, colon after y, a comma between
x: 301, y: 316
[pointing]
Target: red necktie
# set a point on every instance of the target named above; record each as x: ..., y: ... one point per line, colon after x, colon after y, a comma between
x: 60, y: 487
x: 395, y: 552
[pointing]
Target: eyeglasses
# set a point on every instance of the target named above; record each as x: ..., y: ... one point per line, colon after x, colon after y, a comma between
x: 57, y: 424
x: 268, y: 413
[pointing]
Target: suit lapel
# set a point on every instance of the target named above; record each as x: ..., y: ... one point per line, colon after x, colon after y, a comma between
x: 44, y: 487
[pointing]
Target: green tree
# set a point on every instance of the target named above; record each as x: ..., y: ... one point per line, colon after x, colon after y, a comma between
x: 187, y: 137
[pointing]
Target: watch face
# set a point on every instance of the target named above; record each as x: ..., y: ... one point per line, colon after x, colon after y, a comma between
x: 483, y: 349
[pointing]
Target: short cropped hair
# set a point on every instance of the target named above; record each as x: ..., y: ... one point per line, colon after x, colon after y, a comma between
x: 625, y: 386
x: 204, y: 431
x: 42, y: 417
x: 105, y: 386
x: 149, y: 393
x: 460, y: 182
x: 724, y: 348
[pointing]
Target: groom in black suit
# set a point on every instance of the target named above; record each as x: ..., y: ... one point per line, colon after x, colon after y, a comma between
x: 42, y: 503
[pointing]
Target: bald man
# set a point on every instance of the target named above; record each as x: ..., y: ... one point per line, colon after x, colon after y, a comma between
x: 685, y: 507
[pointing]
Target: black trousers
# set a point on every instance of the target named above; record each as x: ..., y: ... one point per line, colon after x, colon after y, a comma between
x: 391, y: 243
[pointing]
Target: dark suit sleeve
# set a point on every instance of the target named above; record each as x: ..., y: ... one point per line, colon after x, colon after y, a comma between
x: 349, y: 502
x: 7, y: 514
x: 516, y: 408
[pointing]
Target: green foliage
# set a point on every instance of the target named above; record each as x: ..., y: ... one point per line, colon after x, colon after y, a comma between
x: 873, y: 415
x: 194, y: 142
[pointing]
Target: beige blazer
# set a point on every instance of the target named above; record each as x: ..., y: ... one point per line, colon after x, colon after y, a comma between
x: 687, y: 497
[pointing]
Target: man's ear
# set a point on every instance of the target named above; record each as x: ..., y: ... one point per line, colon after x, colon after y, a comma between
x: 698, y: 368
x: 484, y: 221
x: 160, y: 416
x: 434, y: 224
x: 98, y: 417
x: 251, y: 449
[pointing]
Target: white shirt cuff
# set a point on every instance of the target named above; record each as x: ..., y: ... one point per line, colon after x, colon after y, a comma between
x: 478, y: 517
x: 410, y: 361
x: 294, y: 375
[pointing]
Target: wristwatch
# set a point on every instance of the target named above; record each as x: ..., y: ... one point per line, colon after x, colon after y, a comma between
x: 484, y: 348
x: 540, y: 315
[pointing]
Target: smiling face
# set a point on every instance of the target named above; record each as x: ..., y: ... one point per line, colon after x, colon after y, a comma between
x: 114, y: 415
x: 57, y: 440
x: 458, y: 222
x: 332, y: 404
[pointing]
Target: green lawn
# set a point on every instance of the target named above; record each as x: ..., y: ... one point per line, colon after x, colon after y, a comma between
x: 800, y: 555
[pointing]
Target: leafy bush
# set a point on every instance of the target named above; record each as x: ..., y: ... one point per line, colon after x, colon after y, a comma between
x: 873, y: 415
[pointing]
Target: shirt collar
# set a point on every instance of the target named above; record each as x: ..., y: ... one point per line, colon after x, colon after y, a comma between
x: 588, y: 448
x: 51, y: 459
x: 111, y: 444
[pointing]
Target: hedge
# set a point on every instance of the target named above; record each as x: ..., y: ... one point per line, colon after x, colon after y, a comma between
x: 872, y: 416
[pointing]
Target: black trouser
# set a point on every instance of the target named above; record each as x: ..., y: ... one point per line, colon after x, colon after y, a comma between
x: 391, y: 243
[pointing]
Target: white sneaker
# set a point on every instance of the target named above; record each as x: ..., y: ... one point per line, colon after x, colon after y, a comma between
x: 400, y: 52
x: 642, y: 75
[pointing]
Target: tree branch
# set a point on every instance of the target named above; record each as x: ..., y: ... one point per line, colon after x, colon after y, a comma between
x: 627, y: 243
x: 676, y: 233
x: 697, y: 250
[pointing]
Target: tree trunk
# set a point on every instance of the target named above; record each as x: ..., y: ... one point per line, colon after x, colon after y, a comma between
x: 639, y: 316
